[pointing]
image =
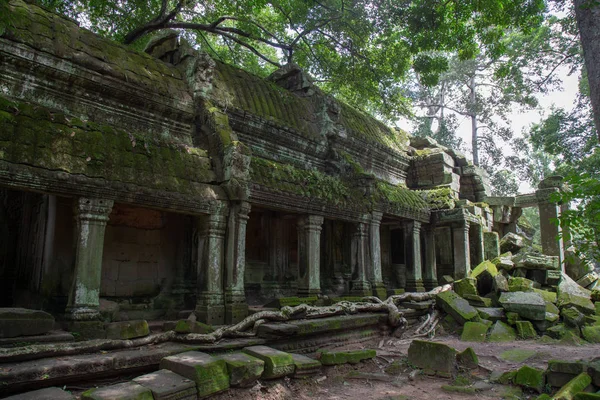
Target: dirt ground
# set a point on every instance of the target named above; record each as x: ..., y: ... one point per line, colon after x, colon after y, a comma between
x: 390, y: 377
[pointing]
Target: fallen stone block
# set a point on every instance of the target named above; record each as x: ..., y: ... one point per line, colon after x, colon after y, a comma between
x: 491, y: 245
x: 587, y: 396
x: 594, y: 286
x: 588, y: 279
x: 575, y: 385
x: 467, y: 359
x: 583, y: 304
x: 560, y: 331
x: 591, y: 333
x: 345, y: 357
x: 243, y: 369
x: 305, y: 366
x: 593, y: 371
x: 277, y: 363
x: 484, y: 273
x: 560, y: 372
x: 504, y: 261
x: 500, y: 284
x: 209, y: 374
x: 52, y: 393
x: 572, y: 316
x: 24, y: 322
x: 520, y: 285
x: 457, y: 307
x: 502, y: 332
x: 433, y: 358
x: 474, y: 332
x: 478, y: 301
x: 491, y: 313
x: 569, y: 286
x: 576, y: 265
x: 530, y: 378
x: 127, y: 329
x: 512, y: 318
x: 512, y: 242
x: 550, y: 297
x: 525, y: 330
x: 465, y: 286
x: 528, y: 305
x: 120, y: 391
x: 536, y: 261
x: 187, y: 326
x: 167, y: 385
x: 550, y: 320
x: 502, y: 377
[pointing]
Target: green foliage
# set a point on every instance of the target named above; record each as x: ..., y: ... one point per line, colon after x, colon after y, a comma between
x: 359, y: 50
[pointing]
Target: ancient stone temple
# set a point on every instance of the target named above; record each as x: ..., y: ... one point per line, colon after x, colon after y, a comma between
x: 167, y: 181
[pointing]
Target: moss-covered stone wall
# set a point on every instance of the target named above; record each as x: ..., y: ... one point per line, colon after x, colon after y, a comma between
x: 36, y: 136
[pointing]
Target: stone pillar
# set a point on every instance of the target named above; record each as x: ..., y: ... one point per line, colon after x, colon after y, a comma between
x: 430, y: 279
x: 462, y: 257
x: 476, y: 245
x: 91, y: 216
x: 375, y: 276
x: 491, y: 244
x: 309, y: 255
x: 552, y: 238
x: 210, y: 305
x: 414, y: 267
x: 360, y: 284
x: 236, y: 307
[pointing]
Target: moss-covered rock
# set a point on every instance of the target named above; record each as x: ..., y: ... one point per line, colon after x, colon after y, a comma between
x: 583, y: 304
x: 187, y: 326
x: 576, y: 385
x: 502, y: 377
x: 491, y: 313
x: 525, y: 330
x: 467, y: 359
x: 530, y: 378
x: 478, y: 301
x: 305, y: 366
x: 125, y: 391
x: 209, y: 373
x: 559, y: 331
x: 520, y: 285
x: 474, y: 332
x: 528, y: 305
x: 484, y: 273
x: 457, y: 307
x: 432, y: 357
x: 591, y: 333
x: 127, y: 329
x: 572, y: 316
x: 277, y: 363
x: 502, y: 332
x: 243, y: 369
x: 465, y: 286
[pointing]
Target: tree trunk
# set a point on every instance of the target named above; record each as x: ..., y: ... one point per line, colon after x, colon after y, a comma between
x: 587, y: 13
x: 473, y: 114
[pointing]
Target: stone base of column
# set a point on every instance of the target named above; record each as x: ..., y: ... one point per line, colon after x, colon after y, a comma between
x: 361, y: 288
x: 82, y: 314
x: 413, y: 285
x: 430, y: 283
x: 379, y: 290
x: 86, y: 329
x: 236, y: 308
x: 210, y: 308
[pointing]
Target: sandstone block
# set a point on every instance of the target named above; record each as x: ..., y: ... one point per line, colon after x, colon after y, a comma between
x: 560, y: 372
x: 187, y: 326
x: 474, y: 332
x: 52, y: 393
x: 432, y: 357
x: 491, y: 313
x: 484, y: 273
x: 346, y: 357
x: 591, y: 333
x: 500, y: 284
x: 24, y: 322
x: 277, y: 363
x: 167, y: 385
x: 120, y: 391
x: 465, y: 286
x: 583, y: 304
x: 457, y: 307
x: 572, y: 316
x: 528, y: 305
x: 305, y: 366
x: 530, y: 378
x: 512, y: 242
x: 520, y: 285
x: 243, y: 369
x: 127, y: 329
x: 525, y: 330
x: 467, y: 359
x: 502, y: 332
x: 209, y: 374
x: 588, y: 279
x: 575, y: 385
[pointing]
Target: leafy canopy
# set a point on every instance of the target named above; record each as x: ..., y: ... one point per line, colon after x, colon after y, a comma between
x: 359, y: 50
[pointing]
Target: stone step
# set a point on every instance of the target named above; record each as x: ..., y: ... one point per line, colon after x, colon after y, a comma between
x: 243, y: 369
x: 51, y: 393
x: 167, y: 385
x: 305, y: 366
x: 209, y: 373
x: 120, y: 391
x: 277, y: 363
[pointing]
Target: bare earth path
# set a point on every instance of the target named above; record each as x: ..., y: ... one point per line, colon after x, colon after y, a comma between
x: 368, y: 380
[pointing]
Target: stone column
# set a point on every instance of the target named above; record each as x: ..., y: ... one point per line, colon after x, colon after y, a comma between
x: 414, y: 268
x: 360, y: 284
x: 430, y: 279
x: 309, y: 255
x: 462, y: 257
x: 552, y: 238
x: 476, y: 245
x: 375, y: 252
x: 91, y: 216
x: 210, y: 306
x: 236, y: 307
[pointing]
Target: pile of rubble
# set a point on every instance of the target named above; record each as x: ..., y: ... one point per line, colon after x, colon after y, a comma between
x: 524, y: 294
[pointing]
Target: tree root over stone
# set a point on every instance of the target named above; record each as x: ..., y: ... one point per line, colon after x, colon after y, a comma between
x: 244, y: 329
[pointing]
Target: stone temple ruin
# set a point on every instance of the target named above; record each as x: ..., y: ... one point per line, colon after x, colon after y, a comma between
x: 164, y: 181
x: 157, y: 185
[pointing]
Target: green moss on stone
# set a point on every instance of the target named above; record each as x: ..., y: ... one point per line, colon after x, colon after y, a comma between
x: 530, y: 378
x: 474, y: 332
x: 345, y: 357
x: 439, y: 199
